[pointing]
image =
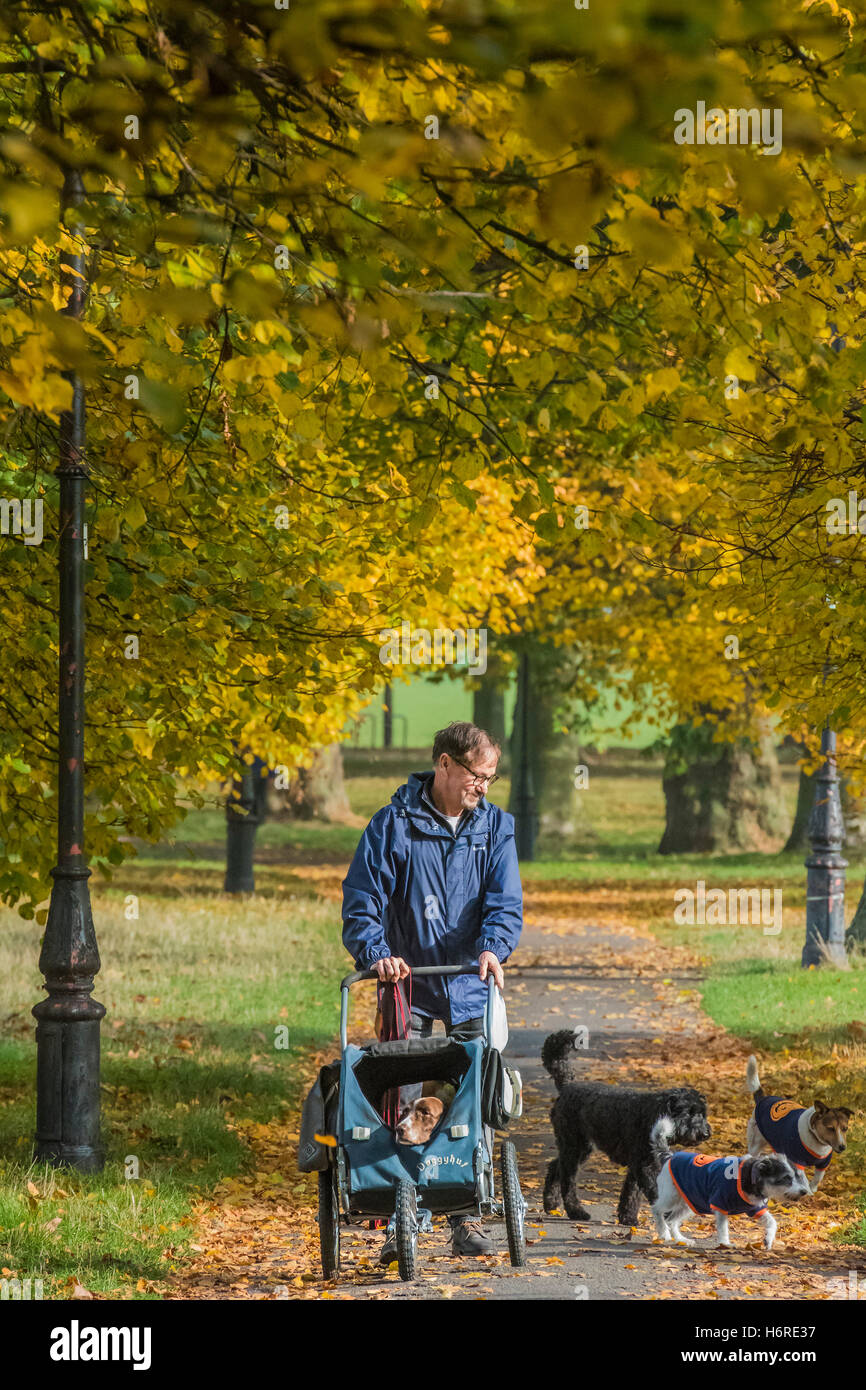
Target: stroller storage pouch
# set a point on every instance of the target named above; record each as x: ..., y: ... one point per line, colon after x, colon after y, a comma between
x: 501, y: 1091
x: 318, y: 1117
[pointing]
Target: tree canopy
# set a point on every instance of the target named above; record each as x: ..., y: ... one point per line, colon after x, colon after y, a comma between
x: 379, y: 296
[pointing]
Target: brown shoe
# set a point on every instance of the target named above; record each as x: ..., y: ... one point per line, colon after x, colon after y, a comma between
x: 467, y: 1238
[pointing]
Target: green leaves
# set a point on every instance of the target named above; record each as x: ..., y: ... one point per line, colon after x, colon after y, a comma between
x: 120, y: 584
x: 165, y: 403
x: 547, y: 526
x: 133, y: 514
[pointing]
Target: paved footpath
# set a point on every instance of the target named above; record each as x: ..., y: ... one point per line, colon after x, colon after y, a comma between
x: 555, y: 982
x: 646, y: 1028
x: 643, y: 1025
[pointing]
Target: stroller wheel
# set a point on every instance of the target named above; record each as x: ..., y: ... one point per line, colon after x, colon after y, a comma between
x: 512, y: 1200
x: 329, y: 1222
x: 407, y: 1230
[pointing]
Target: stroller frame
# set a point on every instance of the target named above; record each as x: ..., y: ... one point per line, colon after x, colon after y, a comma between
x: 370, y: 1175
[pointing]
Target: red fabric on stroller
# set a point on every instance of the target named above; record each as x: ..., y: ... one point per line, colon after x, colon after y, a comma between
x: 394, y: 999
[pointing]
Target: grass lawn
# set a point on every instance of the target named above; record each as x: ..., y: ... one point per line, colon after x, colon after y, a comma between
x: 196, y: 991
x: 202, y: 992
x: 755, y: 984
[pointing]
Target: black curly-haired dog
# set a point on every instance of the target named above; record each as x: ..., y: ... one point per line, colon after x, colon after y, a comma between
x: 589, y: 1115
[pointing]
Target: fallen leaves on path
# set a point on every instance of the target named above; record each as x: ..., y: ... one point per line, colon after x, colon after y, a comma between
x: 257, y: 1232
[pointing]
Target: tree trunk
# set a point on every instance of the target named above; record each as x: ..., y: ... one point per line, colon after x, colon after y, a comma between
x: 317, y: 792
x: 857, y: 925
x: 799, y: 838
x: 721, y: 796
x: 854, y: 814
x: 553, y: 757
x: 488, y: 701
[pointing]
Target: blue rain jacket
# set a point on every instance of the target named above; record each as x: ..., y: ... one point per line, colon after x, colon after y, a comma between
x: 417, y: 890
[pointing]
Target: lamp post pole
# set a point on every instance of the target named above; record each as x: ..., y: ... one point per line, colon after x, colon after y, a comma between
x: 244, y: 814
x: 525, y: 818
x: 67, y: 1033
x: 388, y: 716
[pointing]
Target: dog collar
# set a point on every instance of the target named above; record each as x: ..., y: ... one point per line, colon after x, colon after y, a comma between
x: 828, y: 1148
x: 745, y: 1196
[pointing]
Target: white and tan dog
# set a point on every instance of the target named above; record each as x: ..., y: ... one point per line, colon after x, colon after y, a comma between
x: 722, y: 1187
x: 807, y: 1135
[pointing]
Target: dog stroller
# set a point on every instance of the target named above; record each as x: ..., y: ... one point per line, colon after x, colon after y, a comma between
x: 365, y: 1173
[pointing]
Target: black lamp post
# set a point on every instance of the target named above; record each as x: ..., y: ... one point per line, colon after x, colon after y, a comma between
x: 825, y: 866
x: 245, y: 811
x: 523, y: 796
x: 242, y: 823
x: 67, y: 1033
x: 387, y: 716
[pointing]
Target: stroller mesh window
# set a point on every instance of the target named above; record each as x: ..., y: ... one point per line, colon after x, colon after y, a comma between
x: 408, y: 1061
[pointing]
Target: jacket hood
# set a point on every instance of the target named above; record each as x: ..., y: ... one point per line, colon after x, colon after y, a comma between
x: 408, y: 798
x: 410, y: 792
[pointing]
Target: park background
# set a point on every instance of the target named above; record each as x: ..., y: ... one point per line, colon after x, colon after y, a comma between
x: 401, y: 311
x: 198, y: 985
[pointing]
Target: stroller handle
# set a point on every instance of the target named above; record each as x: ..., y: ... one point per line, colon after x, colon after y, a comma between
x: 470, y: 968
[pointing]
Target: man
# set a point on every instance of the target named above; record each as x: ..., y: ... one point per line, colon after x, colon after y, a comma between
x: 434, y: 881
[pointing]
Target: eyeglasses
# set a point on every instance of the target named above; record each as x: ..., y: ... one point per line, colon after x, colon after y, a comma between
x: 477, y: 775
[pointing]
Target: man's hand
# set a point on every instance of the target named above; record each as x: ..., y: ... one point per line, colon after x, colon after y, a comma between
x: 391, y: 968
x: 487, y: 961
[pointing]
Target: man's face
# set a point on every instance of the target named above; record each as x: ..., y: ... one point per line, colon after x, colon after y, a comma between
x: 460, y: 781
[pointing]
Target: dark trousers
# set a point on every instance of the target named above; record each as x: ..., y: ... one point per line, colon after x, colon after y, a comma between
x: 420, y: 1026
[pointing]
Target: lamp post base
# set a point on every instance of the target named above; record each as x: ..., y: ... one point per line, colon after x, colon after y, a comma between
x: 825, y: 910
x: 82, y: 1157
x: 67, y: 1085
x: 67, y: 1031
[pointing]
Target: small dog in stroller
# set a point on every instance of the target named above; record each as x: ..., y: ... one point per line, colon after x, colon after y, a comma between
x: 442, y: 1160
x: 419, y: 1119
